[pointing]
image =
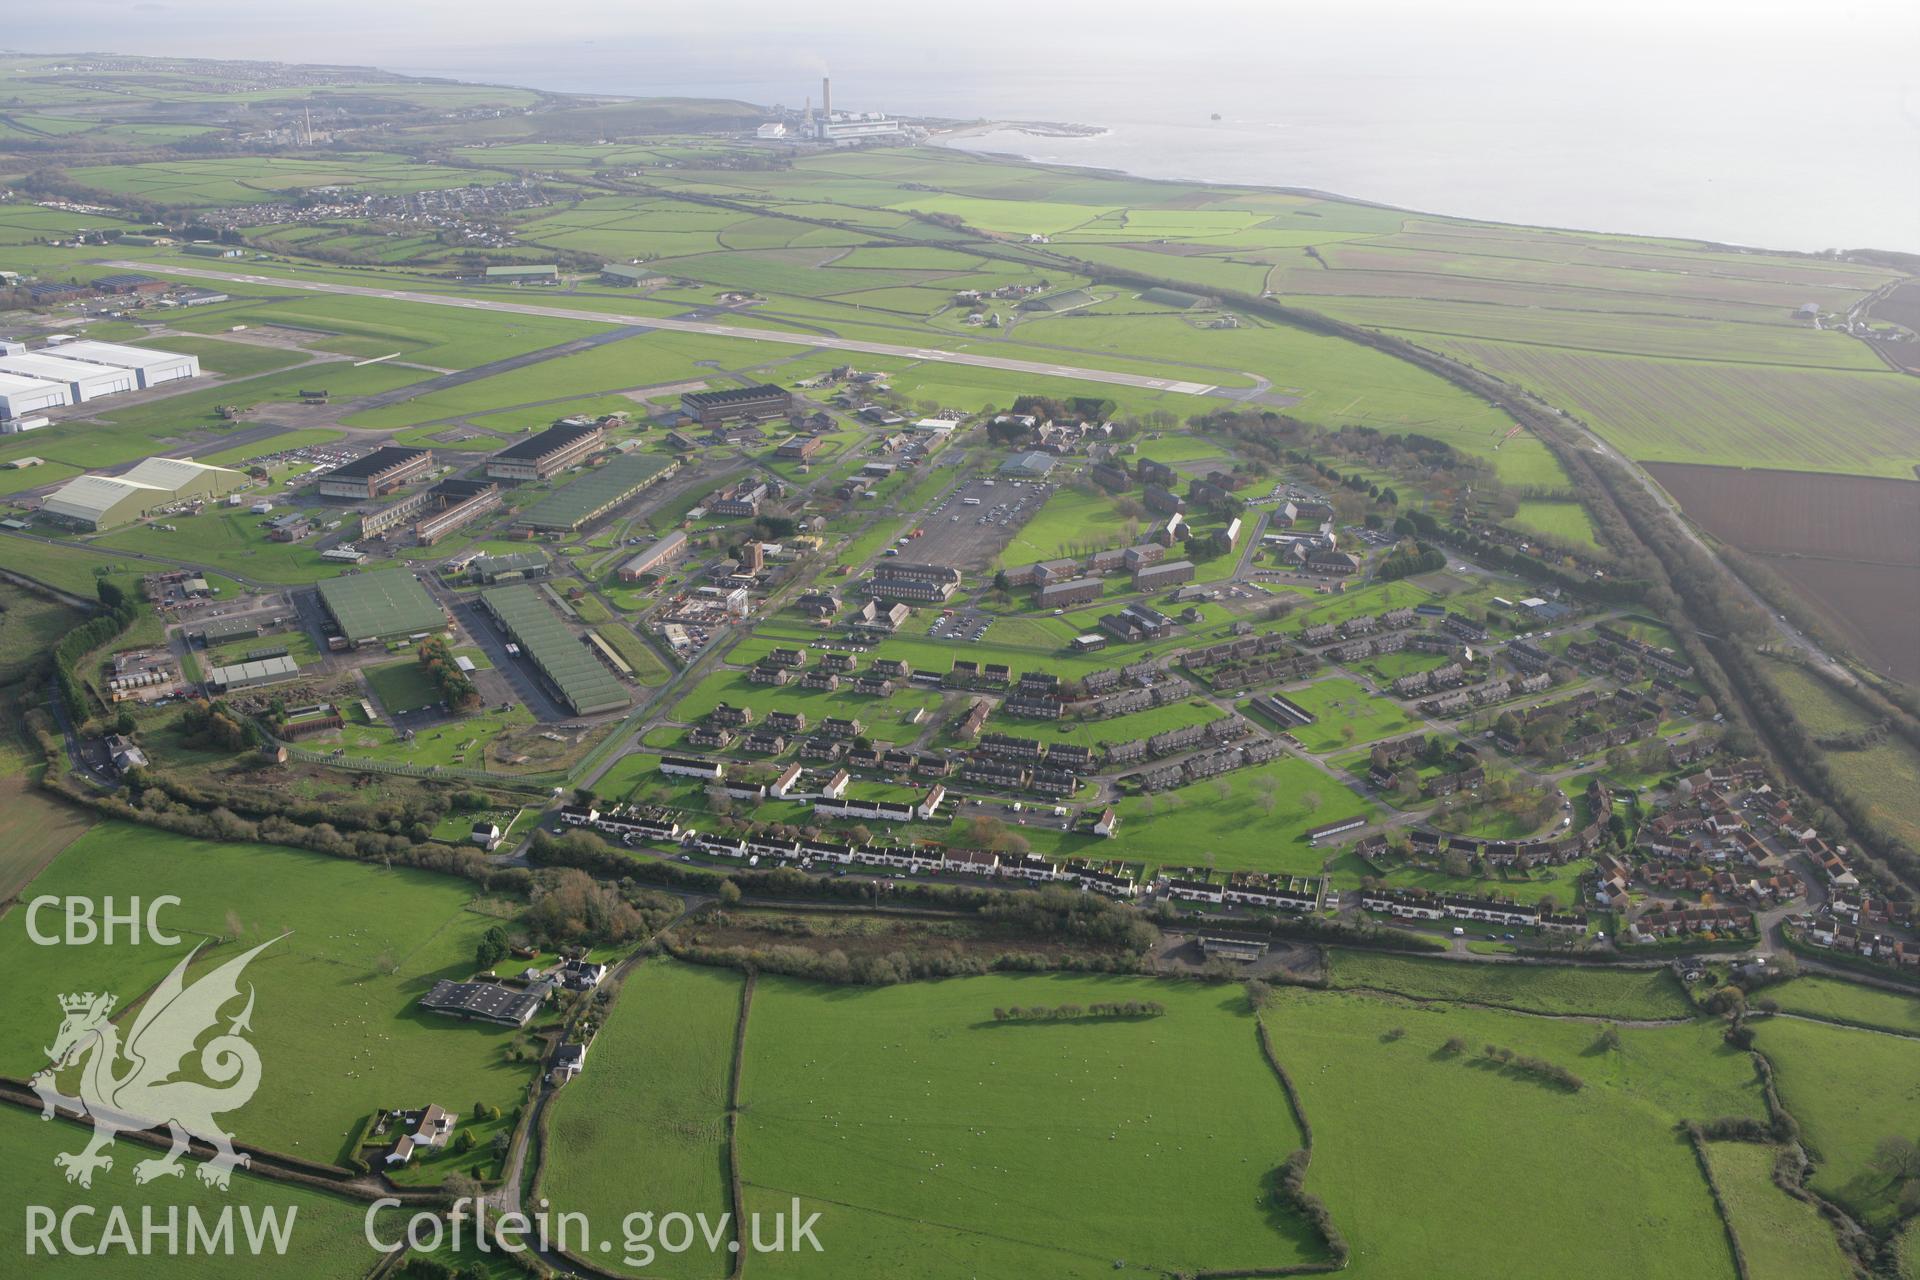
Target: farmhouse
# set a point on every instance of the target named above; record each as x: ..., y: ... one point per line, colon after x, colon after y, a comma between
x: 431, y: 1127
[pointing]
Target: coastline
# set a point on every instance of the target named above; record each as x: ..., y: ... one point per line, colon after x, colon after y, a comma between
x: 948, y: 137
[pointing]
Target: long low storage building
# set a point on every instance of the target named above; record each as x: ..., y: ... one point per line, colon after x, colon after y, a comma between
x: 374, y: 607
x: 597, y: 492
x: 85, y: 381
x: 245, y: 675
x: 574, y: 670
x: 655, y: 558
x: 151, y: 368
x: 20, y: 396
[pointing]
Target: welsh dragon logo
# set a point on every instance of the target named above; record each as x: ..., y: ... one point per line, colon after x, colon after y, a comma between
x: 130, y: 1087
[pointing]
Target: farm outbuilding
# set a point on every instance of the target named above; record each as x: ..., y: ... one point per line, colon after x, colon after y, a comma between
x: 20, y: 396
x: 152, y: 368
x: 84, y: 381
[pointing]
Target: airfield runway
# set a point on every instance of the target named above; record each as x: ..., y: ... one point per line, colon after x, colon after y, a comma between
x: 787, y: 337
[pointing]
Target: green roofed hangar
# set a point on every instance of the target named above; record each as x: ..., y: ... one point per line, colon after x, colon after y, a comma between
x: 597, y: 492
x: 372, y: 608
x: 575, y: 671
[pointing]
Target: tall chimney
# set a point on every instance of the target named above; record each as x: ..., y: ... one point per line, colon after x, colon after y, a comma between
x: 826, y: 97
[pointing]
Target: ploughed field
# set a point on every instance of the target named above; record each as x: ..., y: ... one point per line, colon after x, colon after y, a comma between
x: 1849, y: 544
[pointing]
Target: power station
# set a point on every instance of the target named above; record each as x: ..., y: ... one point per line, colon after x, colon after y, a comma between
x: 838, y: 129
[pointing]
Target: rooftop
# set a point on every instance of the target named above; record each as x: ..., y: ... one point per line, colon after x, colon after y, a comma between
x: 374, y: 605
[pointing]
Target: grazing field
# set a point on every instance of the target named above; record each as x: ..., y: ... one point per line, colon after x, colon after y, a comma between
x: 1624, y: 331
x: 1560, y: 989
x: 937, y: 1142
x: 29, y: 625
x: 67, y: 568
x: 335, y: 1020
x: 645, y: 1126
x: 326, y: 1240
x: 33, y: 827
x: 1885, y: 775
x: 245, y: 179
x: 1837, y: 1000
x: 1436, y: 1164
x: 1865, y: 423
x: 1564, y: 522
x: 1783, y: 1238
x: 1849, y: 1089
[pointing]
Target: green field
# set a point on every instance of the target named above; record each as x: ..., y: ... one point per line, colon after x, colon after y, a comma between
x: 244, y: 179
x: 1836, y: 1000
x: 226, y: 357
x: 1071, y: 523
x: 924, y: 1131
x: 1437, y: 1165
x: 1848, y: 1089
x: 334, y: 1021
x: 1784, y: 1238
x: 1560, y: 989
x: 644, y: 1125
x: 1886, y: 775
x: 1346, y: 715
x: 231, y: 540
x: 1860, y: 422
x: 1564, y: 522
x: 1248, y: 820
x: 325, y: 1242
x: 402, y: 686
x: 883, y: 718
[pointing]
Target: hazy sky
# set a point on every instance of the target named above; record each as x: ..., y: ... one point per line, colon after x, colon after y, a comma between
x: 1793, y: 123
x: 364, y: 31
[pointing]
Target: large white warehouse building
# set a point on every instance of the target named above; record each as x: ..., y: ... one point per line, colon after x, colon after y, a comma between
x: 21, y: 396
x: 151, y: 367
x: 85, y: 381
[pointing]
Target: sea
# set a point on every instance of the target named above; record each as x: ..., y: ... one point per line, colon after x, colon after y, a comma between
x: 1786, y: 124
